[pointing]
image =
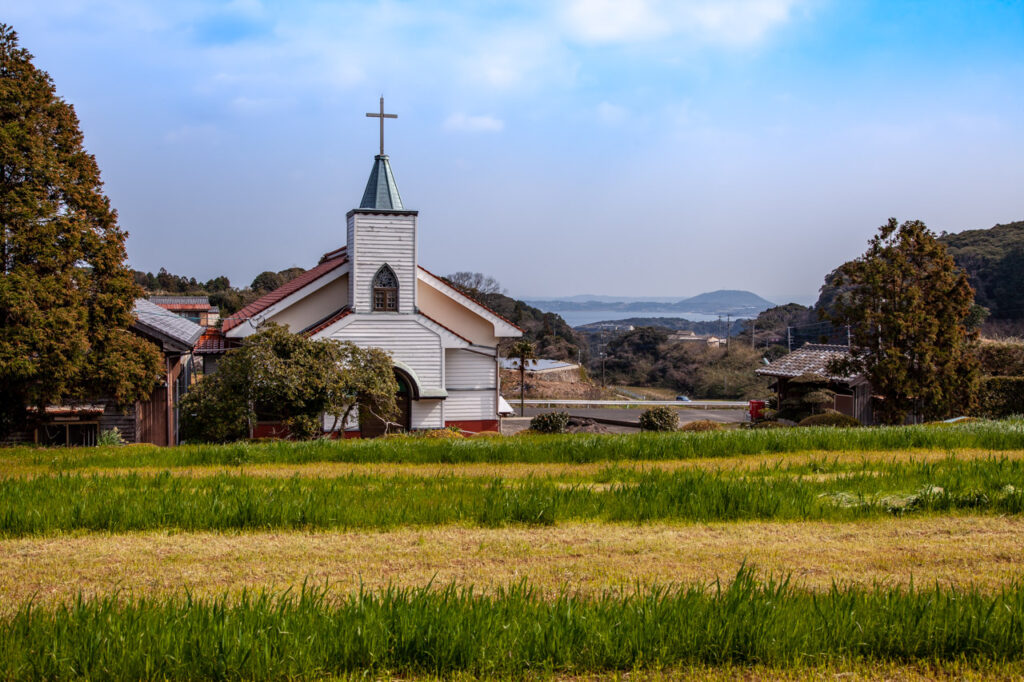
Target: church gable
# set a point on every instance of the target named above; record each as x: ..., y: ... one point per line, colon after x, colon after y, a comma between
x: 331, y: 269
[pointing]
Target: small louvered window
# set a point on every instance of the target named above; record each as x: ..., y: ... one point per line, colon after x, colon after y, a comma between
x: 385, y: 290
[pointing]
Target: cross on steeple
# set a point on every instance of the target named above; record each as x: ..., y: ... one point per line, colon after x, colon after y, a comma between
x: 382, y: 116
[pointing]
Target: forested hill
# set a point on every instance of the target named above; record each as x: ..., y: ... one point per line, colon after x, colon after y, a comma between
x: 550, y: 334
x: 994, y: 260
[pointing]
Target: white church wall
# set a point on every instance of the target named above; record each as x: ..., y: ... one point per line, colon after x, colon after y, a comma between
x: 373, y: 240
x: 466, y: 369
x: 471, y: 380
x: 427, y: 414
x: 470, y: 405
x: 315, y: 306
x: 403, y: 337
x: 455, y: 316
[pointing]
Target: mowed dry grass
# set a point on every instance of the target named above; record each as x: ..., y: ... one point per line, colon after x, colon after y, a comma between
x: 590, y: 558
x: 12, y: 468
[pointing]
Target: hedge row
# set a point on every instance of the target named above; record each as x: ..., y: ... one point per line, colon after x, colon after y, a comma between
x: 1002, y: 396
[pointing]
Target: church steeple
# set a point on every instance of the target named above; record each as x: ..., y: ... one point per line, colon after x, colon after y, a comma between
x: 381, y: 191
x: 382, y: 239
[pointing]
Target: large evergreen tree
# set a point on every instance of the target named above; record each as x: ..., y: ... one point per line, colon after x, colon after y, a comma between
x: 907, y: 303
x: 66, y: 296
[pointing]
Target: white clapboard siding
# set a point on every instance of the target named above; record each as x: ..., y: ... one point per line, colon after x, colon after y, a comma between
x: 376, y: 239
x: 407, y: 341
x: 427, y: 414
x: 466, y: 369
x: 470, y: 405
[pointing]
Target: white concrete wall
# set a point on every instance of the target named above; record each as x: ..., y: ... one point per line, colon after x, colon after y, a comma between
x: 373, y: 240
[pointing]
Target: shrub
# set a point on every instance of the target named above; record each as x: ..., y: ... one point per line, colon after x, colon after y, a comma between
x: 659, y: 419
x: 766, y: 425
x: 445, y: 433
x: 829, y: 419
x: 111, y: 436
x: 1001, y: 396
x: 487, y: 434
x: 551, y: 422
x: 701, y: 425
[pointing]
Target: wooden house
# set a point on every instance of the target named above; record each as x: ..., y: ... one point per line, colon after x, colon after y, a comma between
x: 852, y: 393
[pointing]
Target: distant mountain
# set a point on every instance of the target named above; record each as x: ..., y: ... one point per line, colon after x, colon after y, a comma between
x: 726, y: 301
x: 722, y: 302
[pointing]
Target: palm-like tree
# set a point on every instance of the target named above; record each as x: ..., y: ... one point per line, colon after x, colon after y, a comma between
x: 523, y: 351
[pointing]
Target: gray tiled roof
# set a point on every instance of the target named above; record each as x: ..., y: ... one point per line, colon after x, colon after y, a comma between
x: 167, y: 323
x: 381, y: 190
x: 812, y: 358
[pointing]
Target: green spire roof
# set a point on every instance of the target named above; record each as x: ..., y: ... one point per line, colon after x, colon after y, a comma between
x: 381, y: 191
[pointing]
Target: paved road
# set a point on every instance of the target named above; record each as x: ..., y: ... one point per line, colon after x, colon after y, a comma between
x: 633, y: 414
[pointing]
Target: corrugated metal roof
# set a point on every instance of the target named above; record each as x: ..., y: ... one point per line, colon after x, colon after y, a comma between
x: 167, y: 323
x: 381, y: 191
x: 539, y: 365
x: 811, y: 358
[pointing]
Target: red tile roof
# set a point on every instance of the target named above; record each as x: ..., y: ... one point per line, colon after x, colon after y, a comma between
x: 485, y: 307
x: 214, y: 341
x: 326, y: 322
x: 264, y: 302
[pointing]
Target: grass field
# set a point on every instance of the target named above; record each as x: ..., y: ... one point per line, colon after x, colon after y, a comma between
x: 866, y: 553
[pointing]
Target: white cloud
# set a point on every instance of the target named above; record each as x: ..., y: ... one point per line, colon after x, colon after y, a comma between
x: 721, y: 22
x: 474, y: 124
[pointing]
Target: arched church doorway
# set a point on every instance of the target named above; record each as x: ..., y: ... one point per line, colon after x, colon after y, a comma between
x: 370, y: 426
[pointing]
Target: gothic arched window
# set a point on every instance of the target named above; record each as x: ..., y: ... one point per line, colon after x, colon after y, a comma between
x: 385, y: 290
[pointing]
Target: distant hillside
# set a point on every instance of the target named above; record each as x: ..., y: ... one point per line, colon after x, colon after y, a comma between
x: 722, y: 302
x: 672, y: 323
x: 994, y: 260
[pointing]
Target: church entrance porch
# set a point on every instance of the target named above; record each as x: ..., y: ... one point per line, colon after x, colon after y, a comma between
x: 371, y: 426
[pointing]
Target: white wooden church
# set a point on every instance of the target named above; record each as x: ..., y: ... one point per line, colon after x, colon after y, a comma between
x: 374, y: 293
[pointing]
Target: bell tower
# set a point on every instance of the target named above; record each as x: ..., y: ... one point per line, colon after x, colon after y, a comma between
x: 382, y: 242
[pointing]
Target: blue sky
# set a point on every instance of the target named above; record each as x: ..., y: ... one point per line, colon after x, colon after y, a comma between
x: 632, y: 147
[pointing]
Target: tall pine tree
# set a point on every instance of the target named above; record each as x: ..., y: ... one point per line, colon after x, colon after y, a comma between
x: 66, y: 296
x: 907, y: 305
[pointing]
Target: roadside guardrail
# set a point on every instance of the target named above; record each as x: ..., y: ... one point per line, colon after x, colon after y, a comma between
x: 699, y: 404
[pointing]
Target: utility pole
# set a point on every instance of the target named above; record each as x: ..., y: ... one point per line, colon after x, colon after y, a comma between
x: 789, y: 338
x: 753, y: 328
x: 849, y: 342
x: 728, y: 330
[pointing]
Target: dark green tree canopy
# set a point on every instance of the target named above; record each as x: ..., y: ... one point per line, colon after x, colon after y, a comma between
x: 907, y: 303
x: 284, y: 377
x: 66, y: 297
